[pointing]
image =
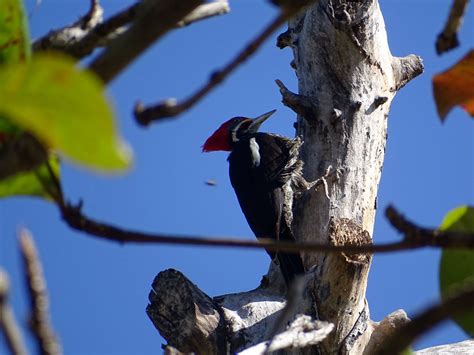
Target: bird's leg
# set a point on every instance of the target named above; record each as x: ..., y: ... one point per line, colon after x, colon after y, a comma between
x: 325, y: 183
x: 331, y: 174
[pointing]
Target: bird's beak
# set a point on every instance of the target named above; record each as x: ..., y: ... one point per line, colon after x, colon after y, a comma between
x: 257, y: 122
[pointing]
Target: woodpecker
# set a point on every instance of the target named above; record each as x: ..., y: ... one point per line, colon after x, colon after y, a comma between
x: 261, y: 167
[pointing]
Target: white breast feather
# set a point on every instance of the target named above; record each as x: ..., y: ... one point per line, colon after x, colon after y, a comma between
x: 255, y: 151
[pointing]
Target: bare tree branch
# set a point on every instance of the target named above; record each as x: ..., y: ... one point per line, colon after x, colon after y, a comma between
x: 67, y: 38
x: 416, y: 238
x: 448, y: 38
x: 300, y: 104
x: 428, y: 237
x: 155, y: 18
x: 79, y: 41
x: 40, y: 324
x: 205, y: 11
x: 74, y: 217
x: 171, y: 108
x: 182, y: 312
x: 406, y: 69
x: 8, y: 323
x: 404, y: 336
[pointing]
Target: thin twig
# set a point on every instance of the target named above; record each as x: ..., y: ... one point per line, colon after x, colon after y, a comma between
x: 417, y: 237
x: 8, y: 323
x: 448, y: 38
x: 404, y: 336
x: 56, y: 193
x: 428, y: 237
x: 73, y: 216
x: 170, y: 108
x: 40, y: 324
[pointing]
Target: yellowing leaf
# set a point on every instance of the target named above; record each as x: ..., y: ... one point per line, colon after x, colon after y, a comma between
x: 65, y: 108
x: 455, y: 86
x: 461, y: 219
x: 32, y: 183
x: 457, y: 266
x: 14, y: 39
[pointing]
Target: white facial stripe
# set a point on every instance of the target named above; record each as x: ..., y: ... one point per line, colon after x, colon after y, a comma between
x: 255, y: 151
x: 235, y: 139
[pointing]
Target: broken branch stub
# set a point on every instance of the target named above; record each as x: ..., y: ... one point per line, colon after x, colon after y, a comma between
x: 184, y: 315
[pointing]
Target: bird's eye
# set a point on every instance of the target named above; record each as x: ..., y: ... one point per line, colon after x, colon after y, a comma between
x: 245, y: 125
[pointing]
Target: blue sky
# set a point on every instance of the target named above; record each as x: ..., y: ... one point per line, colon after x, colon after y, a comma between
x: 99, y: 289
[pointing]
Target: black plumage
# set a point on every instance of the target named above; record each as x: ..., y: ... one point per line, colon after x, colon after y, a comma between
x: 261, y: 165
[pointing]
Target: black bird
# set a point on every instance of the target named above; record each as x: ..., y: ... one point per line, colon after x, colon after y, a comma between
x: 261, y: 167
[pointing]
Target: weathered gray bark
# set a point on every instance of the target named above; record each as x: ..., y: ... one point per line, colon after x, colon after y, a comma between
x: 461, y: 348
x: 193, y: 321
x: 347, y: 79
x: 345, y: 69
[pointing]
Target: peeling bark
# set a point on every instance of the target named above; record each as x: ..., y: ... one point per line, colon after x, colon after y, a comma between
x: 344, y: 66
x: 340, y: 298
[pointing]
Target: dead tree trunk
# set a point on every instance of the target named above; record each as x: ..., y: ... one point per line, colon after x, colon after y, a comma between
x: 347, y: 80
x: 347, y: 74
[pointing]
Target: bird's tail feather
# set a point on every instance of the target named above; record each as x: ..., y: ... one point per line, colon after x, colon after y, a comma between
x: 290, y: 266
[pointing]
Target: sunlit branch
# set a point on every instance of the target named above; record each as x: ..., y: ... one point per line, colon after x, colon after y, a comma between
x: 72, y: 40
x: 40, y: 324
x: 89, y: 32
x: 8, y: 324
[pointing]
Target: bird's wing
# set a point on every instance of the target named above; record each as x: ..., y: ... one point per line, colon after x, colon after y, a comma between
x: 259, y: 166
x: 279, y: 158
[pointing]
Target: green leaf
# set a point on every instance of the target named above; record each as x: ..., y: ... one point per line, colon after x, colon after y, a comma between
x: 65, y: 108
x: 457, y: 266
x: 32, y: 183
x: 14, y: 38
x: 15, y: 46
x: 6, y: 127
x: 460, y: 219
